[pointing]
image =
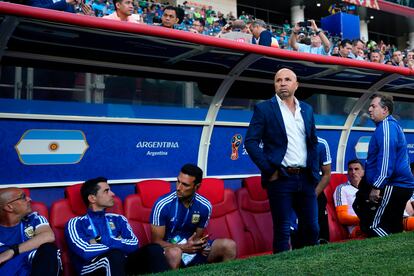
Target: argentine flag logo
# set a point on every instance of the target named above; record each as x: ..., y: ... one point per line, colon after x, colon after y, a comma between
x: 361, y: 147
x: 47, y: 147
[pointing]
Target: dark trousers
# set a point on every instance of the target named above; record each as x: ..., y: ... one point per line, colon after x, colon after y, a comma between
x: 148, y: 259
x: 293, y: 192
x: 46, y: 260
x: 388, y: 216
x: 323, y: 217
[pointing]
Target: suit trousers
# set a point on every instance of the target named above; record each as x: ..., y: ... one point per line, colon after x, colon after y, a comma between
x: 293, y: 192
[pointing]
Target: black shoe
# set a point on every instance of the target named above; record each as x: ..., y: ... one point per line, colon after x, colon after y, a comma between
x: 323, y: 241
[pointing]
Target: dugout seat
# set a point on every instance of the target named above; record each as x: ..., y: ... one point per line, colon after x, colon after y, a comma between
x: 337, y: 231
x: 65, y: 209
x: 225, y: 220
x: 37, y: 206
x: 254, y: 208
x: 138, y: 207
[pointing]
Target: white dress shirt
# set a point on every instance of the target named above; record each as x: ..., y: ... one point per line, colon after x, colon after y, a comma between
x: 296, y: 152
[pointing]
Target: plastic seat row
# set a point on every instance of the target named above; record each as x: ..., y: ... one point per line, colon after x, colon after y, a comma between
x: 242, y: 215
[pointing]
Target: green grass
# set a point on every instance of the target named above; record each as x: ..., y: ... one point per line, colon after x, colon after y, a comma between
x: 392, y: 255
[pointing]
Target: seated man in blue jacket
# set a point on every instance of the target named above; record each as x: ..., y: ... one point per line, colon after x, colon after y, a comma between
x: 26, y: 239
x: 103, y: 243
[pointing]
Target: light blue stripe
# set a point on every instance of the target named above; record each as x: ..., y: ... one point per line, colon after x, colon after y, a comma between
x: 364, y: 139
x: 361, y: 154
x: 36, y: 134
x: 34, y: 159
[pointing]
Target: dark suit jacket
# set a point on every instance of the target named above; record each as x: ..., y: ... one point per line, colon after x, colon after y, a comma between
x: 267, y: 125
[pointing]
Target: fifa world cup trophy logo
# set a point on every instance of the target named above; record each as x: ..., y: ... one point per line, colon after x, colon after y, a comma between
x: 236, y: 141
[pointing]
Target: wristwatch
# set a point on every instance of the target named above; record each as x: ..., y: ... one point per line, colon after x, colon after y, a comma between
x: 98, y: 239
x: 15, y: 249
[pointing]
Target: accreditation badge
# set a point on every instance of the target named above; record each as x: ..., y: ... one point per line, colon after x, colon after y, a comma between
x: 29, y: 232
x: 195, y: 218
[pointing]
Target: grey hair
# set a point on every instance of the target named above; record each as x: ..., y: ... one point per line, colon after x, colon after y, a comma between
x: 259, y: 22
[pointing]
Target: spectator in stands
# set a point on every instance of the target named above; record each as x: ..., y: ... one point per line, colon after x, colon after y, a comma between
x: 397, y: 59
x: 198, y: 26
x: 237, y: 32
x: 290, y: 174
x: 26, y: 239
x: 357, y: 46
x: 60, y: 5
x: 103, y: 243
x: 124, y: 12
x: 169, y: 17
x: 261, y: 35
x: 409, y: 60
x: 320, y: 44
x: 344, y: 197
x: 283, y: 40
x: 178, y: 220
x: 221, y: 20
x: 387, y: 170
x: 325, y: 161
x: 230, y: 16
x: 345, y: 47
x: 180, y: 14
x: 376, y: 56
x: 335, y: 51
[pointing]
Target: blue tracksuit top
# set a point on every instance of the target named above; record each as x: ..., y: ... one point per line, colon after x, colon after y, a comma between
x: 388, y: 162
x: 115, y: 231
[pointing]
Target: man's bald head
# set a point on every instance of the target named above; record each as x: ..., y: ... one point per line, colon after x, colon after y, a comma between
x: 286, y: 84
x: 6, y: 194
x: 288, y: 71
x: 14, y: 200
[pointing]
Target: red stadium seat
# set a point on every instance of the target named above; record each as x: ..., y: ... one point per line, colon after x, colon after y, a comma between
x: 255, y: 212
x: 138, y: 207
x: 65, y: 209
x: 37, y: 206
x: 225, y: 221
x: 337, y: 232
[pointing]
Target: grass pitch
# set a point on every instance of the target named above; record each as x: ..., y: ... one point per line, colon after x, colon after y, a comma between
x: 393, y: 255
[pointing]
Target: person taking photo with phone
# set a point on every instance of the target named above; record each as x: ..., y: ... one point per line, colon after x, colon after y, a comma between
x: 320, y: 44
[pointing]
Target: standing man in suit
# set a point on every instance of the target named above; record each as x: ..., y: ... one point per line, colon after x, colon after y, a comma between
x: 288, y: 161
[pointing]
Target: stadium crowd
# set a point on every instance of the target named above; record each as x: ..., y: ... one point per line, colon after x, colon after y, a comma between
x: 197, y: 18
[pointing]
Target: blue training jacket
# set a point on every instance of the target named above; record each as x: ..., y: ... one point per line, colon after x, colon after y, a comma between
x: 114, y: 230
x: 388, y: 162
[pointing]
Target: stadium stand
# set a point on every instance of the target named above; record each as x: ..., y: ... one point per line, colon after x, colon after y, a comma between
x: 337, y: 232
x: 65, y: 209
x: 138, y: 207
x: 255, y: 212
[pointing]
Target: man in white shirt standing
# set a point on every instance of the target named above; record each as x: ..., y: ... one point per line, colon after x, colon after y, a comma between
x: 288, y: 161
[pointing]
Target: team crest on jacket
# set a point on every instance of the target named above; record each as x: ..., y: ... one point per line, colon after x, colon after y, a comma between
x: 29, y: 232
x: 195, y: 218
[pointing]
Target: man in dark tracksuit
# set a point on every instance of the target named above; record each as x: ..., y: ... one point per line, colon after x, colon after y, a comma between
x: 103, y: 243
x: 387, y: 169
